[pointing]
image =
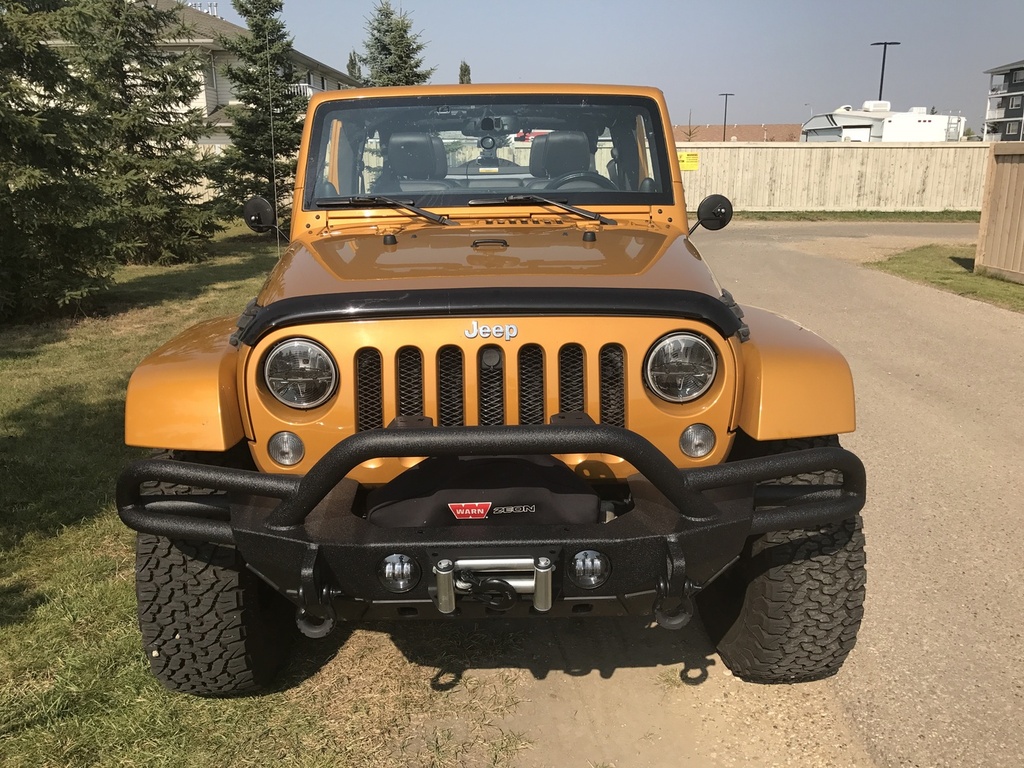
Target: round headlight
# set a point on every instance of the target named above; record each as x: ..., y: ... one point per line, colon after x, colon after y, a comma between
x: 300, y: 373
x: 680, y: 367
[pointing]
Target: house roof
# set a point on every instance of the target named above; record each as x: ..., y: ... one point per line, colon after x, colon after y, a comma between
x: 208, y: 29
x: 1006, y: 68
x: 756, y: 132
x: 206, y: 25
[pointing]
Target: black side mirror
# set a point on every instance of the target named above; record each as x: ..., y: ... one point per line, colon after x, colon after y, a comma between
x: 259, y: 216
x: 714, y: 212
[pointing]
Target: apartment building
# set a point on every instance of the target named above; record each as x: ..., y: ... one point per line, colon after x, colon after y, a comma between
x: 1004, y: 111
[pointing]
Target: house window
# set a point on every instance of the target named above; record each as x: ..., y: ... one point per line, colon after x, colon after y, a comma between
x: 1015, y: 102
x: 1018, y: 76
x: 1012, y: 129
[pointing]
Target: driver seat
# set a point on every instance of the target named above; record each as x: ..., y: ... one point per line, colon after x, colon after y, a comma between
x: 419, y: 162
x: 557, y: 153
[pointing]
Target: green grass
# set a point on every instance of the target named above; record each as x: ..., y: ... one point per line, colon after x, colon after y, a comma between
x: 951, y: 268
x: 75, y: 689
x: 899, y: 216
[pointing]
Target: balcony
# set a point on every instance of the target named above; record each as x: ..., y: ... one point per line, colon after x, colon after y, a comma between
x: 995, y: 90
x: 304, y: 89
x: 995, y: 114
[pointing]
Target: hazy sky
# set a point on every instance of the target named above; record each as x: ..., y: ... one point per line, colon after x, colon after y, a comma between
x: 782, y: 58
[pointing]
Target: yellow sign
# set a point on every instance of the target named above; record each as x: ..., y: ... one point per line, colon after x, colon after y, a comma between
x: 688, y: 161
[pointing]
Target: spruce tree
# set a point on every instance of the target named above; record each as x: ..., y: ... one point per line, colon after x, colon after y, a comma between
x: 464, y: 76
x: 354, y: 70
x: 57, y: 245
x: 267, y: 127
x: 99, y: 160
x: 392, y: 49
x: 153, y: 175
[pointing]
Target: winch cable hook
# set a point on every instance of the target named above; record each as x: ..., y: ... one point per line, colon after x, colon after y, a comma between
x: 493, y: 592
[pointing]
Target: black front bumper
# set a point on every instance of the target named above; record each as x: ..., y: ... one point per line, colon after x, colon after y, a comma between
x: 300, y: 535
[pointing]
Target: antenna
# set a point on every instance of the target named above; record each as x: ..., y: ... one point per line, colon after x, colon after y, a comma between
x: 273, y: 149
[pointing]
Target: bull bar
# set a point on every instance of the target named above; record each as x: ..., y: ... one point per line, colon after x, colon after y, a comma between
x: 686, y: 526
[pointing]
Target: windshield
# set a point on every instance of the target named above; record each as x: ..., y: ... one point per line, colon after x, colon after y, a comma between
x: 448, y: 151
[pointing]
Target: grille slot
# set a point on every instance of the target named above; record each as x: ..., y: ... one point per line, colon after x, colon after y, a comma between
x: 492, y: 386
x: 409, y: 372
x: 613, y: 386
x: 531, y: 384
x: 410, y: 382
x: 570, y: 379
x: 450, y: 377
x: 369, y: 390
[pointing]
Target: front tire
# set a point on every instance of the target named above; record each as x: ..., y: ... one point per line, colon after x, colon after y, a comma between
x: 210, y: 627
x: 790, y: 609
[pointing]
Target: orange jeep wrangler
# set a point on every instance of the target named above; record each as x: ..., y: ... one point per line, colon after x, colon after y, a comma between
x: 492, y: 376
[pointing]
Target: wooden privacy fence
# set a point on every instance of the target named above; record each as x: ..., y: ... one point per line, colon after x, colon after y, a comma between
x: 836, y: 176
x: 1001, y: 235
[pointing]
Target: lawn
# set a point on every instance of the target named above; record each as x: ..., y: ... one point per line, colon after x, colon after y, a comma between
x: 75, y: 688
x: 951, y: 268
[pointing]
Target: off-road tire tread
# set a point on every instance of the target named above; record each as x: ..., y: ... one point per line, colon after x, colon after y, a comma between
x: 208, y: 626
x: 802, y: 596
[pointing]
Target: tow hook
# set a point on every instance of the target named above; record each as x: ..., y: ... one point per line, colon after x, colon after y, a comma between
x: 312, y: 627
x: 315, y: 617
x: 681, y: 616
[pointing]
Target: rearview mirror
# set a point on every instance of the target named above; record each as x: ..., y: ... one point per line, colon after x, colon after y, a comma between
x: 714, y: 212
x: 258, y: 214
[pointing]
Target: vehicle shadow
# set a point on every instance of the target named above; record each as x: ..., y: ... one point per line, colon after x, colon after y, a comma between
x: 576, y: 647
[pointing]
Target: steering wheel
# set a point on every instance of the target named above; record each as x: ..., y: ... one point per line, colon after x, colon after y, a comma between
x: 568, y: 178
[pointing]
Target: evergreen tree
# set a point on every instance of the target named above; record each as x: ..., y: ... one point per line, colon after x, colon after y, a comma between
x: 464, y: 77
x: 267, y: 126
x: 57, y: 248
x: 354, y: 70
x: 392, y: 55
x: 99, y: 157
x: 153, y: 174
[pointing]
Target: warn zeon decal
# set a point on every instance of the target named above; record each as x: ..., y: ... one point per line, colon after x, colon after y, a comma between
x: 477, y: 510
x: 473, y: 510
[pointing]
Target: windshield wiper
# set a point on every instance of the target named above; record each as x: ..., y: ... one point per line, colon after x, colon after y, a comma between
x: 513, y: 199
x: 358, y: 201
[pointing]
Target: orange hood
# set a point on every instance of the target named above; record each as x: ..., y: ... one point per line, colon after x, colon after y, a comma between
x: 481, y: 255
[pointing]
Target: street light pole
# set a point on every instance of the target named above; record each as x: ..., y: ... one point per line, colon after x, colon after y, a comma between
x: 885, y: 47
x: 725, y: 117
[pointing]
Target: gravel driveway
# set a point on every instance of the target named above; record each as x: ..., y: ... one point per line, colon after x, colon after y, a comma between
x: 937, y: 678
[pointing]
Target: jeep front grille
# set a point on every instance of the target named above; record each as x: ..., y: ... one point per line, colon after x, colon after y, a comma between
x: 500, y: 392
x: 369, y: 398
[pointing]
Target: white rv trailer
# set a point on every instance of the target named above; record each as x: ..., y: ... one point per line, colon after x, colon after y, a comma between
x: 875, y: 121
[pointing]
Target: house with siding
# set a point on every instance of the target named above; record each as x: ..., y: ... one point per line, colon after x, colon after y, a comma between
x: 1004, y: 110
x: 207, y: 30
